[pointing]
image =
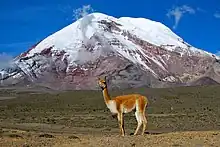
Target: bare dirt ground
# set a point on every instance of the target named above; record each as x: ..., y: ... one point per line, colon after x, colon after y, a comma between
x: 185, y: 116
x: 176, y: 139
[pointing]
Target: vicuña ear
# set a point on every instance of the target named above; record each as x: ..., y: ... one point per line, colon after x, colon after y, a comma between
x: 105, y: 78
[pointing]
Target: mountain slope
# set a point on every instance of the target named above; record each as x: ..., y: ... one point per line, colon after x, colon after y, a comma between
x: 132, y: 52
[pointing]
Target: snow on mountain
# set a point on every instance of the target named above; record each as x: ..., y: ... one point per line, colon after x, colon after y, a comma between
x: 147, y: 45
x: 71, y: 37
x: 148, y: 30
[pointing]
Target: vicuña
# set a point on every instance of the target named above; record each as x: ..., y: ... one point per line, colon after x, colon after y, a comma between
x: 125, y: 104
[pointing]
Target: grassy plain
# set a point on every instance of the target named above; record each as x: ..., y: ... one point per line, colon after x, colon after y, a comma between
x: 183, y: 116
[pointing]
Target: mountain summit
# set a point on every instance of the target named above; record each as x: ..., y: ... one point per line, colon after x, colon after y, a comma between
x: 131, y: 52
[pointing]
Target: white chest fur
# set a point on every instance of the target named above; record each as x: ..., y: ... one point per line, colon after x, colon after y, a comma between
x: 112, y: 107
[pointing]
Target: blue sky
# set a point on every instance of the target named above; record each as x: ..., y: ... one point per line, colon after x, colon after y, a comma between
x: 25, y: 22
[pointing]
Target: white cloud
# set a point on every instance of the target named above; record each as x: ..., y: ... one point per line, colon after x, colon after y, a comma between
x: 217, y: 15
x: 178, y: 12
x: 201, y: 10
x: 7, y: 57
x: 5, y: 60
x: 81, y: 12
x: 217, y: 53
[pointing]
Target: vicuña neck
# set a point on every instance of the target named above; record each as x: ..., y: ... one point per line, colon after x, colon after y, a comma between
x: 106, y: 95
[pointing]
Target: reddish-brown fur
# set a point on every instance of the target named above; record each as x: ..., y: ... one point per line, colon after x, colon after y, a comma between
x: 125, y: 104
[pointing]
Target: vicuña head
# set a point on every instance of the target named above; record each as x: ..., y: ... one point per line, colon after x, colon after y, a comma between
x: 125, y: 104
x: 102, y: 83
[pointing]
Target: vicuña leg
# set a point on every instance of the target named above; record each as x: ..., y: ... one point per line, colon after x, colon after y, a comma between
x: 144, y: 123
x: 139, y: 119
x: 121, y: 124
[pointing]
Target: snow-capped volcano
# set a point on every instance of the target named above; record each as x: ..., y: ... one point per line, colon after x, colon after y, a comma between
x: 130, y: 51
